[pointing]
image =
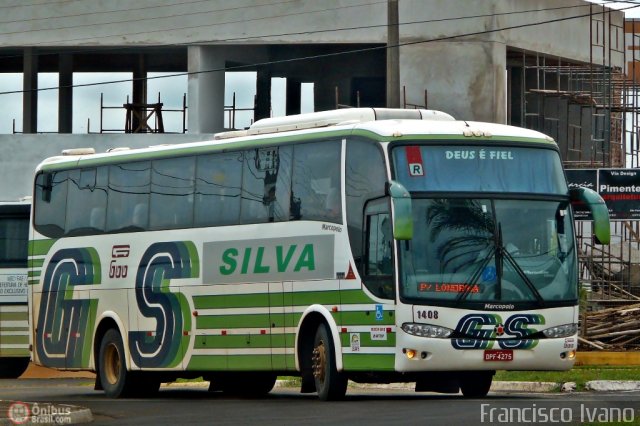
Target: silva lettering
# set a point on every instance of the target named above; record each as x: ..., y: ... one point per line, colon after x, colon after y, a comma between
x: 264, y: 260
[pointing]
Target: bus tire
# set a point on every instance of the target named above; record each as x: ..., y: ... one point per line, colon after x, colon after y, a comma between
x: 331, y: 385
x: 12, y: 368
x: 476, y: 384
x: 116, y: 381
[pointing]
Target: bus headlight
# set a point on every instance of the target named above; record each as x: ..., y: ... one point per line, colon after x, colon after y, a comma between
x: 426, y: 330
x: 565, y: 330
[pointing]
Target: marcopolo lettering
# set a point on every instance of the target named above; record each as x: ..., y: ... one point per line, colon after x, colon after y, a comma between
x: 269, y: 259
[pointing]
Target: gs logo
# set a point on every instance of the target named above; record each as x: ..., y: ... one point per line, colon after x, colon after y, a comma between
x: 482, y: 330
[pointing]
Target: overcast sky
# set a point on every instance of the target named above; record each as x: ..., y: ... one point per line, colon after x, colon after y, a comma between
x: 86, y: 100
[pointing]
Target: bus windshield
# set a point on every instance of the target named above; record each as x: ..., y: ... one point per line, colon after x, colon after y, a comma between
x: 510, y: 242
x: 490, y: 251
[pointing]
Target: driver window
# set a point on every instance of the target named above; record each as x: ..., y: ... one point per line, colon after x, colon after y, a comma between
x: 379, y: 245
x: 378, y: 265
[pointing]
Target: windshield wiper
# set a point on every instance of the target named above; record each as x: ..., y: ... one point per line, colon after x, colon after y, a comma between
x: 523, y: 276
x: 474, y: 277
x: 500, y: 253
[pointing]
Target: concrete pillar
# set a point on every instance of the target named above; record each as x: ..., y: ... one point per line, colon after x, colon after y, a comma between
x: 30, y: 88
x: 206, y: 89
x: 263, y: 94
x: 65, y: 93
x: 393, y: 57
x: 294, y: 90
x: 477, y: 92
x: 139, y: 90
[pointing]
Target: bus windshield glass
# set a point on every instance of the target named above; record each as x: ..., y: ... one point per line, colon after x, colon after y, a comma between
x: 510, y: 242
x: 496, y: 169
x: 490, y: 251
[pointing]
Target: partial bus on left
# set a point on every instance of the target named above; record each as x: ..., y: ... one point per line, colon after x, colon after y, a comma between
x: 14, y: 314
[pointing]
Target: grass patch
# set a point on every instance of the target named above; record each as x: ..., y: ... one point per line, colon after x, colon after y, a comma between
x: 578, y: 375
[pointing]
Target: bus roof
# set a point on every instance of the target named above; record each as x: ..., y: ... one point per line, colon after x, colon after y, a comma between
x: 386, y: 124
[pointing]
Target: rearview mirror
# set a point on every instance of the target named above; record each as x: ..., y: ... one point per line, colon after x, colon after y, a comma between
x: 599, y: 212
x: 401, y: 211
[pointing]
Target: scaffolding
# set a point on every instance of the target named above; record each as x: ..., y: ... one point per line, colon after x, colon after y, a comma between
x: 591, y: 110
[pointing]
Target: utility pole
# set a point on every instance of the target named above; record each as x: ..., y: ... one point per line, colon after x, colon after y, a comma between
x: 393, y: 55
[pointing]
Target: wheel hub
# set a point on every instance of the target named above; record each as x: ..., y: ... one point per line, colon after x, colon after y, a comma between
x: 319, y: 361
x: 112, y: 364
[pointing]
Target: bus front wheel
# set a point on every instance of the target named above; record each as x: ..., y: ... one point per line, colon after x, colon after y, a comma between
x: 330, y: 384
x: 476, y: 384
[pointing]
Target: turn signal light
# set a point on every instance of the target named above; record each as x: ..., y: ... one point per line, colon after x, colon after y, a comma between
x: 410, y: 353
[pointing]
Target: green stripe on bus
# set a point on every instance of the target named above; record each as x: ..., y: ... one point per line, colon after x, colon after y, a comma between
x: 232, y: 321
x: 5, y: 329
x: 365, y: 362
x: 188, y: 324
x: 365, y: 340
x: 233, y: 341
x: 299, y: 298
x: 14, y: 340
x: 284, y: 359
x: 15, y: 352
x: 33, y: 273
x: 40, y: 247
x: 208, y: 362
x: 33, y: 282
x: 316, y: 297
x: 86, y: 349
x: 35, y: 263
x: 242, y: 341
x: 14, y: 316
x: 253, y: 300
x: 249, y: 362
x: 194, y: 257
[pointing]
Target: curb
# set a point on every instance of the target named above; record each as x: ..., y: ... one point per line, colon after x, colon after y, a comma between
x: 503, y: 386
x: 612, y: 385
x: 47, y: 413
x: 496, y: 386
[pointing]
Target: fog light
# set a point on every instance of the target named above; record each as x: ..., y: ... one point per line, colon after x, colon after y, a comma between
x: 571, y: 354
x: 411, y: 353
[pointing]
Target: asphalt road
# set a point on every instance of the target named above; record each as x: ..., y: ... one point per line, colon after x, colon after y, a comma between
x: 192, y: 404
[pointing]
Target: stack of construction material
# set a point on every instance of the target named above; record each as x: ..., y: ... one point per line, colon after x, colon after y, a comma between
x: 615, y: 328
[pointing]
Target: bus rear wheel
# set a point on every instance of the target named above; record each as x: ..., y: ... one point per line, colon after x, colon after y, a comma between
x: 330, y: 384
x: 476, y: 384
x: 116, y: 381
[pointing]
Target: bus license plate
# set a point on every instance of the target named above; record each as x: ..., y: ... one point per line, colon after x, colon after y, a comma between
x: 498, y: 355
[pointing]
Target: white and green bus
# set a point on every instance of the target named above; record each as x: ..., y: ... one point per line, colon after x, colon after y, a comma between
x: 372, y: 245
x: 14, y: 314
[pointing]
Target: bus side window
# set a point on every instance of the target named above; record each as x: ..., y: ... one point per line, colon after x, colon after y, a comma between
x: 129, y: 188
x: 172, y: 187
x: 218, y: 184
x: 51, y: 200
x: 316, y: 171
